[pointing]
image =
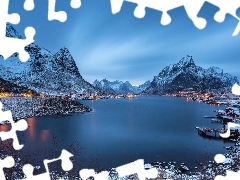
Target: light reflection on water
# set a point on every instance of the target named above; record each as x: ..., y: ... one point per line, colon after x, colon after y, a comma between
x: 5, y: 127
x: 45, y: 134
x: 31, y: 129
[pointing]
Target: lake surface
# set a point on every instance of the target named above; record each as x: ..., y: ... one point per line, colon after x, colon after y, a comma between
x: 120, y: 131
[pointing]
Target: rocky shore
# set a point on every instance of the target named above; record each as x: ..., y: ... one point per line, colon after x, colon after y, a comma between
x: 203, y: 171
x: 25, y: 107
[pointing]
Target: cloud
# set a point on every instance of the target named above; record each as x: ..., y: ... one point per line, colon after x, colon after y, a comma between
x: 132, y: 49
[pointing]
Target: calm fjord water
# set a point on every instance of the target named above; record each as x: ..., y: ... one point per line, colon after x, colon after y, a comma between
x: 120, y: 131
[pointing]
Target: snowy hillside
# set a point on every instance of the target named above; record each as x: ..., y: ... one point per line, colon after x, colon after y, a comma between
x: 8, y: 87
x: 44, y: 72
x: 185, y: 74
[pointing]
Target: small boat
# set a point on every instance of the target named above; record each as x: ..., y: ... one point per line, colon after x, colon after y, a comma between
x: 234, y: 134
x: 210, y: 132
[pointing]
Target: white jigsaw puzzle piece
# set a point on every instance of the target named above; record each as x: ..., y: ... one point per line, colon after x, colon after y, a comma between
x: 20, y: 125
x: 8, y: 162
x: 75, y: 4
x: 28, y: 171
x: 227, y: 133
x: 29, y: 5
x: 60, y: 15
x: 52, y: 13
x: 86, y: 173
x: 138, y: 168
x: 66, y: 164
x: 230, y: 175
x: 236, y: 89
x: 192, y: 9
x: 8, y: 45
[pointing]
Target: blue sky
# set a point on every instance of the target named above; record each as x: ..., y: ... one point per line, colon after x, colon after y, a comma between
x: 123, y: 47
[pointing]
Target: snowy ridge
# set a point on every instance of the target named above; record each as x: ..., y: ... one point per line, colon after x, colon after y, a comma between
x: 185, y: 74
x: 44, y: 72
x: 119, y: 87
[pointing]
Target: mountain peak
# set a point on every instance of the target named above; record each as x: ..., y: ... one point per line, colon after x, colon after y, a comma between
x: 128, y: 83
x: 186, y: 60
x: 64, y: 49
x: 119, y: 87
x: 44, y: 72
x: 65, y: 53
x: 185, y: 74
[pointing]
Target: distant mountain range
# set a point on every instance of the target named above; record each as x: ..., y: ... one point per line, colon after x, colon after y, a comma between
x: 44, y: 72
x: 119, y: 87
x: 186, y: 75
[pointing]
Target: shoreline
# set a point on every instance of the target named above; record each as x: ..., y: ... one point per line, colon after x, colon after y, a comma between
x: 41, y: 106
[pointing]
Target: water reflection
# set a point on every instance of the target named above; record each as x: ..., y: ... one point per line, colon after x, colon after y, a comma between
x: 5, y: 128
x: 31, y: 129
x: 93, y: 125
x: 44, y: 135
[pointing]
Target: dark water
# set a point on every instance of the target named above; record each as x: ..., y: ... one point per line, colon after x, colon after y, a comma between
x: 120, y: 131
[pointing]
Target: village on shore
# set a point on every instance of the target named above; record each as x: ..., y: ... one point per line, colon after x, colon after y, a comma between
x: 31, y: 104
x: 231, y: 113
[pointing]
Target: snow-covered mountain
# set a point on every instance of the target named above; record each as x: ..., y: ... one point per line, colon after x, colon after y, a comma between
x: 44, y: 72
x: 144, y: 85
x: 185, y: 74
x: 104, y: 86
x: 119, y: 87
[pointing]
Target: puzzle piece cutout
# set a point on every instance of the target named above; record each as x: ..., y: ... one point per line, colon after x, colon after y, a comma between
x: 8, y: 45
x: 66, y: 164
x: 227, y: 133
x: 138, y: 168
x: 230, y: 175
x: 8, y: 162
x: 60, y: 15
x: 86, y: 173
x: 29, y: 5
x: 20, y: 125
x: 192, y: 9
x: 220, y: 158
x: 52, y: 14
x: 236, y: 89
